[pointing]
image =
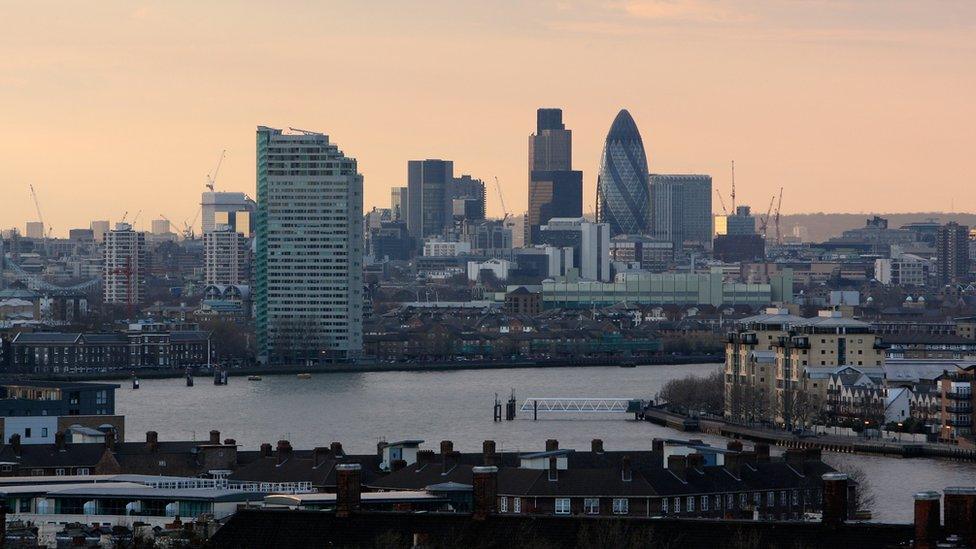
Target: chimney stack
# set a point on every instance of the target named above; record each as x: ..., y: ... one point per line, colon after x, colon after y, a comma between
x: 450, y: 461
x: 657, y: 445
x: 552, y: 445
x: 794, y: 458
x: 59, y: 441
x: 678, y: 465
x: 553, y: 469
x: 762, y: 451
x: 398, y: 465
x: 485, y: 490
x: 733, y: 464
x: 110, y: 439
x: 446, y: 447
x: 596, y: 446
x: 336, y: 449
x: 266, y: 449
x: 348, y: 488
x: 626, y: 473
x: 215, y: 437
x: 488, y: 453
x: 696, y: 461
x: 15, y: 443
x: 380, y: 446
x: 230, y: 442
x: 734, y: 445
x: 152, y: 440
x: 834, y: 498
x: 283, y: 451
x: 960, y: 513
x: 927, y: 519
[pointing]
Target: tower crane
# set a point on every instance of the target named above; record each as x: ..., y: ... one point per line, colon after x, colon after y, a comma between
x: 501, y: 198
x: 37, y: 206
x: 779, y: 237
x: 733, y: 187
x: 764, y: 220
x: 212, y: 179
x: 721, y: 202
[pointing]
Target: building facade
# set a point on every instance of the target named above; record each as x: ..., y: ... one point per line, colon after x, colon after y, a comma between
x: 952, y: 247
x: 125, y: 265
x: 212, y: 203
x: 430, y: 204
x: 309, y: 259
x: 681, y: 209
x: 225, y: 253
x: 590, y: 243
x: 623, y: 200
x: 555, y: 189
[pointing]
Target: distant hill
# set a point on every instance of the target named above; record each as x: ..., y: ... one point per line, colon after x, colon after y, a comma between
x: 821, y: 226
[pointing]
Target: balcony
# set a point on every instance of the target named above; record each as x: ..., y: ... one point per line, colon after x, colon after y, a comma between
x: 957, y: 395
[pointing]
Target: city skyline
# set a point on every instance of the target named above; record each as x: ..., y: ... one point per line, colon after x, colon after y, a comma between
x: 818, y: 95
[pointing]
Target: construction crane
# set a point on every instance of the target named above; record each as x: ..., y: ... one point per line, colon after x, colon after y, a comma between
x: 37, y: 205
x: 501, y: 198
x: 136, y: 218
x: 721, y: 201
x: 764, y: 220
x: 188, y: 226
x: 212, y: 179
x: 779, y: 204
x: 125, y: 215
x: 170, y: 224
x: 733, y: 187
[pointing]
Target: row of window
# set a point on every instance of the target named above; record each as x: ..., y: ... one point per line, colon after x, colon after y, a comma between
x: 674, y: 505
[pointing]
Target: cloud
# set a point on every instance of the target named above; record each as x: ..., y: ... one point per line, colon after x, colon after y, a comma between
x: 710, y: 11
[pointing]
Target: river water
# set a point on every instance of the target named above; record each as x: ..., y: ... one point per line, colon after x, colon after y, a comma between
x: 359, y: 410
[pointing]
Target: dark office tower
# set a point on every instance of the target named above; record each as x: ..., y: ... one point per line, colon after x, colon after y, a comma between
x: 555, y: 190
x: 953, y: 253
x: 681, y: 209
x: 622, y: 190
x: 430, y: 204
x: 468, y: 195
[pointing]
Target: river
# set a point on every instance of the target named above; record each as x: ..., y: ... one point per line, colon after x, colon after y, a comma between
x: 360, y: 409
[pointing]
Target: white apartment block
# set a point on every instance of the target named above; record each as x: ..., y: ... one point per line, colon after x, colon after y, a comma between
x: 125, y: 265
x: 225, y: 254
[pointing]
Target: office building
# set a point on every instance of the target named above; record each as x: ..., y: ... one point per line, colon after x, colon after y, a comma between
x: 555, y: 190
x: 125, y: 266
x: 309, y: 251
x: 35, y: 229
x: 213, y: 202
x: 952, y: 246
x: 590, y: 243
x: 681, y: 209
x: 741, y: 222
x: 398, y: 203
x: 391, y: 242
x: 468, y: 197
x: 901, y: 271
x: 99, y: 228
x: 430, y: 203
x: 623, y: 200
x: 646, y: 252
x: 225, y: 254
x: 160, y: 226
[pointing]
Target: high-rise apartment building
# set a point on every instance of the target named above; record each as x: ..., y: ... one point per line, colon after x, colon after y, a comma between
x: 125, y: 265
x: 308, y: 284
x: 225, y: 253
x: 952, y: 247
x: 35, y: 229
x: 212, y: 203
x: 623, y: 200
x: 398, y: 203
x: 430, y: 205
x: 555, y: 190
x: 681, y: 209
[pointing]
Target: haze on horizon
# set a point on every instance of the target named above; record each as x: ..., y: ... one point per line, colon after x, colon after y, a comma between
x: 851, y: 105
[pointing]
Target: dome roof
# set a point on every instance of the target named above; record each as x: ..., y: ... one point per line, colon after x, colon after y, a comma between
x: 623, y: 128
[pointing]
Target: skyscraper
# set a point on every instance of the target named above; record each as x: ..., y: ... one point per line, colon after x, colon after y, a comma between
x: 681, y: 209
x: 430, y: 206
x: 99, y: 228
x: 952, y: 247
x: 398, y: 203
x: 555, y: 190
x: 225, y: 256
x: 622, y: 193
x: 309, y: 250
x: 125, y: 265
x: 468, y: 196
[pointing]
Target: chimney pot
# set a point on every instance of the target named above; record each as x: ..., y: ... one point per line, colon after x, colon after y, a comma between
x: 336, y: 448
x: 230, y: 442
x: 552, y: 445
x: 485, y: 490
x: 597, y: 446
x: 447, y: 447
x: 734, y: 445
x: 152, y: 440
x: 266, y: 449
x: 348, y: 488
x: 834, y: 498
x: 215, y: 437
x: 927, y: 519
x: 425, y: 457
x: 283, y: 451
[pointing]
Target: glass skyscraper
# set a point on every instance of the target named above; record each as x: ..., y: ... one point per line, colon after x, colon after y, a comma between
x: 429, y: 207
x: 623, y: 200
x: 681, y: 209
x: 309, y: 251
x: 555, y: 189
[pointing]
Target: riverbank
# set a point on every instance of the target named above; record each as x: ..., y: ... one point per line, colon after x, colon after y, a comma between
x: 370, y: 366
x: 827, y: 443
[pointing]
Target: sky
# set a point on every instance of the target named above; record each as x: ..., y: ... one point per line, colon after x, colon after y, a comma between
x: 849, y: 105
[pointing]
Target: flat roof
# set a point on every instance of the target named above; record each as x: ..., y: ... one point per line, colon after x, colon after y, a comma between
x: 372, y: 497
x: 145, y: 492
x: 48, y: 488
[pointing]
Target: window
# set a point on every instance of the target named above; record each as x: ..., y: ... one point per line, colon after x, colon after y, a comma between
x: 83, y: 471
x: 43, y: 432
x: 770, y: 499
x: 503, y: 504
x: 782, y: 498
x: 690, y: 504
x: 796, y: 497
x: 757, y: 498
x: 591, y: 506
x: 27, y: 432
x: 621, y: 506
x: 664, y: 506
x: 517, y: 505
x: 59, y: 472
x: 562, y: 506
x: 704, y: 503
x: 677, y: 505
x: 742, y: 501
x: 729, y: 501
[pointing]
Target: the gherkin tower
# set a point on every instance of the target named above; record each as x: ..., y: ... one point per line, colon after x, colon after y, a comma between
x: 623, y: 199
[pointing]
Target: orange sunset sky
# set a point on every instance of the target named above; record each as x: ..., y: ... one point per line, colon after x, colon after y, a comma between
x: 851, y: 105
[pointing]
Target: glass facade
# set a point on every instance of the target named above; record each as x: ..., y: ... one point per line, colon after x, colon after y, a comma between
x: 623, y: 196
